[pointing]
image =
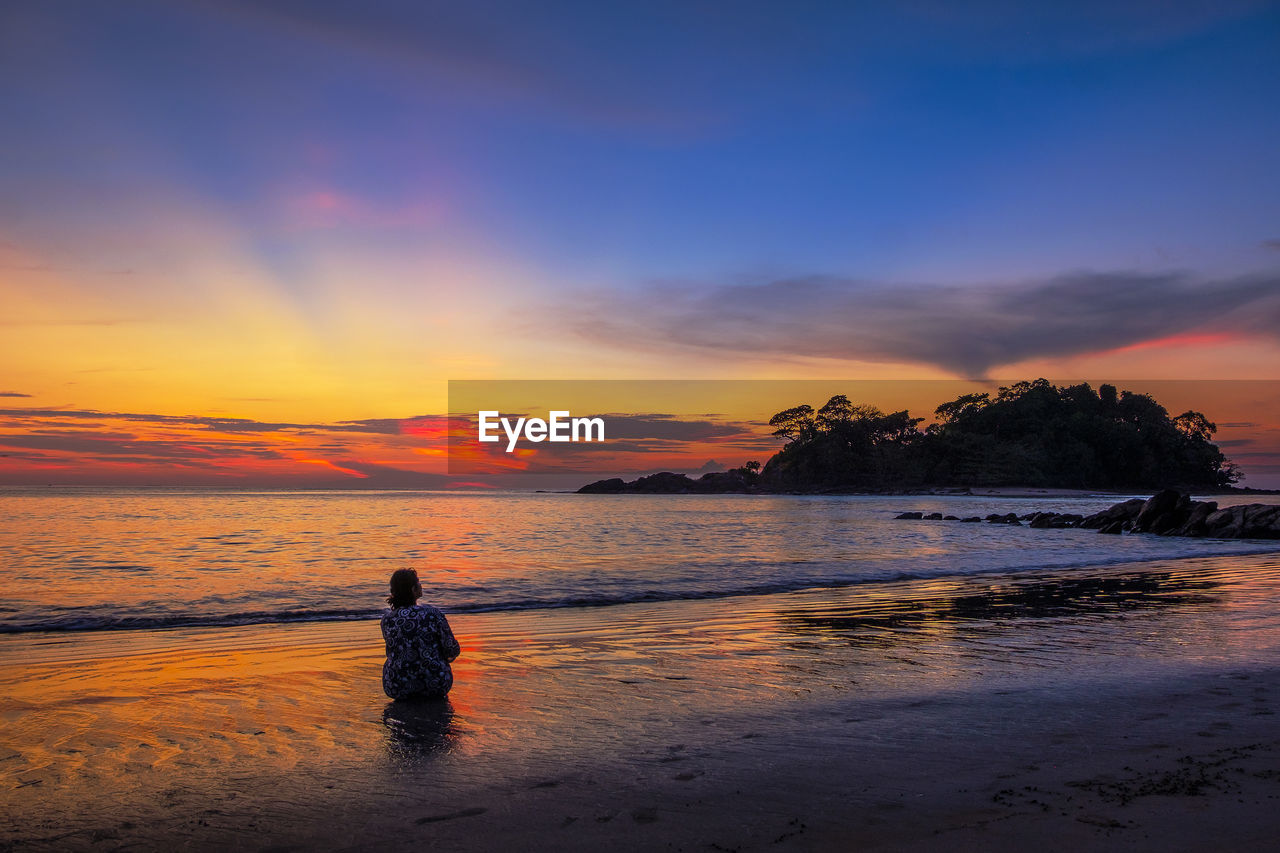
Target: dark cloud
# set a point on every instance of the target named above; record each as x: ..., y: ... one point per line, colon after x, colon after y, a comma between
x: 191, y: 450
x: 382, y: 426
x: 13, y: 394
x: 671, y: 428
x: 633, y: 433
x: 612, y: 448
x: 589, y: 454
x: 966, y: 330
x: 387, y: 477
x: 86, y: 447
x: 1274, y: 245
x: 117, y: 447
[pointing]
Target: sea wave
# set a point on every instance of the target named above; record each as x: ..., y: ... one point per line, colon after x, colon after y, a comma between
x: 70, y: 623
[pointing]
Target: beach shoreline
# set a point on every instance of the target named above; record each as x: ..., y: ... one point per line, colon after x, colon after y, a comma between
x: 983, y: 712
x: 1171, y: 768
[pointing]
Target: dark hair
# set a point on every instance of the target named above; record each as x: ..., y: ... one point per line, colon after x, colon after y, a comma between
x: 405, y: 588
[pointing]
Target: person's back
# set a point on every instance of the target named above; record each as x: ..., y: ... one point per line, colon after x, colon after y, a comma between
x: 419, y: 643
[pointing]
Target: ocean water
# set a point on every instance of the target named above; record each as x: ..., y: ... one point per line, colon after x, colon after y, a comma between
x: 98, y: 559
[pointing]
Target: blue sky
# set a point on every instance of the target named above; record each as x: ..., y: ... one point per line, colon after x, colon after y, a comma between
x: 626, y: 142
x: 308, y: 212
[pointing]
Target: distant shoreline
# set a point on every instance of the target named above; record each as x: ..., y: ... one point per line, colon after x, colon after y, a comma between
x: 669, y: 483
x: 957, y: 491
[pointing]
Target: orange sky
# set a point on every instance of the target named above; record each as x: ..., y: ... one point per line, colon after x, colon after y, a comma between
x: 654, y: 425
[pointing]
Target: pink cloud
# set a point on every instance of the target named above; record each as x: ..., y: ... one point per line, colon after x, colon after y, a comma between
x: 326, y: 207
x: 1183, y: 340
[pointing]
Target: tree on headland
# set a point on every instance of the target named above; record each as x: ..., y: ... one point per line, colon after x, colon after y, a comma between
x: 962, y: 406
x: 1029, y: 434
x: 1195, y: 425
x: 794, y: 424
x: 842, y: 445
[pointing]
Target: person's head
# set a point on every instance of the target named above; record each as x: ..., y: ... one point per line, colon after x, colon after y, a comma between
x: 405, y: 588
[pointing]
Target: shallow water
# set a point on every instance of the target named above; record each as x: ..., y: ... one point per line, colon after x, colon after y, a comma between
x: 85, y: 559
x: 190, y: 724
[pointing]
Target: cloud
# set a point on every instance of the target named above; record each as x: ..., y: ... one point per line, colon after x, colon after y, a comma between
x: 966, y: 330
x: 1274, y: 245
x: 671, y: 428
x: 89, y: 446
x: 102, y: 446
x: 79, y: 446
x: 13, y: 394
x: 374, y: 475
x: 382, y: 426
x: 534, y: 59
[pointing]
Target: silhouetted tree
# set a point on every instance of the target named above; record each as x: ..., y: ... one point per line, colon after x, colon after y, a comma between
x: 1029, y: 433
x: 794, y: 424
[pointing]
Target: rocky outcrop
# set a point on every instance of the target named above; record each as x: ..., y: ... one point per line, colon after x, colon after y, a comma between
x: 1121, y: 513
x: 1166, y: 513
x: 669, y: 483
x: 1055, y: 520
x: 614, y: 485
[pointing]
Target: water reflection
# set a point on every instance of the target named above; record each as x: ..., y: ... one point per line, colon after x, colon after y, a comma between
x: 88, y: 559
x: 420, y: 729
x: 879, y: 620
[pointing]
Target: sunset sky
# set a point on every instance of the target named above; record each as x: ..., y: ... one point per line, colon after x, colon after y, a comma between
x: 249, y: 243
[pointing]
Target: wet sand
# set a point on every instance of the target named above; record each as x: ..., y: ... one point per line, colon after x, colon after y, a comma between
x: 1128, y: 707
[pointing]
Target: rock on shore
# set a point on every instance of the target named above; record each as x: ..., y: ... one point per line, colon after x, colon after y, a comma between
x: 1166, y: 513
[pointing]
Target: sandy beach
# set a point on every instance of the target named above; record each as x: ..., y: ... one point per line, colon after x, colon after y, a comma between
x: 1125, y: 707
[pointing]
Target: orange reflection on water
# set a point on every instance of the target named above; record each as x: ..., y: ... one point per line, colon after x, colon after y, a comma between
x: 139, y: 713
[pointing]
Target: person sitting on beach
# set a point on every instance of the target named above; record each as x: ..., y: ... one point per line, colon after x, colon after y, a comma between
x: 419, y: 643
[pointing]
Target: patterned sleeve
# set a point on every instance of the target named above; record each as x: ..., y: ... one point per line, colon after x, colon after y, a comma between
x: 448, y: 645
